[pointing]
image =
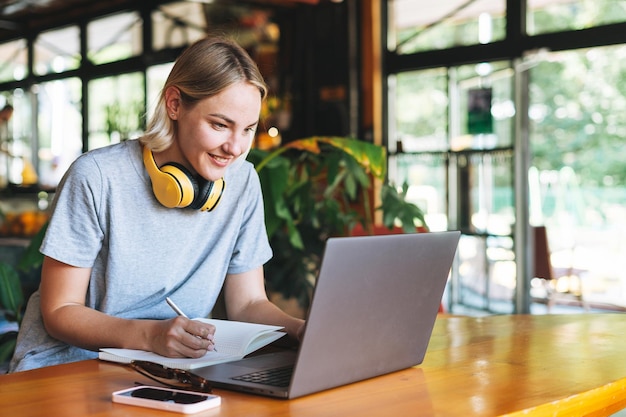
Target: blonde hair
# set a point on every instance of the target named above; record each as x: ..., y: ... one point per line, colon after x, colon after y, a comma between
x: 204, y: 69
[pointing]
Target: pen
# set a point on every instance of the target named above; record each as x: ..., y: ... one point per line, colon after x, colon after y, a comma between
x: 175, y: 307
x: 180, y: 313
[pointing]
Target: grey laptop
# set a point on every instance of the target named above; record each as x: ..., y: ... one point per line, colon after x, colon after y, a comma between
x: 373, y: 310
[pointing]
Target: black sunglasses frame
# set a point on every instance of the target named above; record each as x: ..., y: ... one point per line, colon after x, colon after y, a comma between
x: 156, y: 372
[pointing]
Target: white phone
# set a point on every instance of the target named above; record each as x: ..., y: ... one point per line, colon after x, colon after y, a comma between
x: 186, y: 402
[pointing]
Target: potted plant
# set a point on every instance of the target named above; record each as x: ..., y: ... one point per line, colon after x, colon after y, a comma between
x: 12, y: 298
x: 319, y: 187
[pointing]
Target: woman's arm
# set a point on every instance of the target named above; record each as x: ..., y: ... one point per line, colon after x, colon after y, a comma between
x: 63, y: 291
x: 246, y: 300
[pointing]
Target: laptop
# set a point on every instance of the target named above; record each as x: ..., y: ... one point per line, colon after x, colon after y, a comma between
x: 373, y: 311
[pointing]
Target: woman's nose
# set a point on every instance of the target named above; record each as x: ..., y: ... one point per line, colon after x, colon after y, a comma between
x: 237, y: 144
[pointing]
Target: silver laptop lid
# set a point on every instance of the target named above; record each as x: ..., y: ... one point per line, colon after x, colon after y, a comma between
x: 374, y: 307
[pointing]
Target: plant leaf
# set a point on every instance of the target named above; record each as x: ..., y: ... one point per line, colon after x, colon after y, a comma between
x: 7, y: 346
x: 307, y: 144
x: 32, y: 258
x: 11, y: 295
x: 372, y: 157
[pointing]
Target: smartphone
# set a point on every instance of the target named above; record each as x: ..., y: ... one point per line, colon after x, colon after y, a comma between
x: 186, y: 402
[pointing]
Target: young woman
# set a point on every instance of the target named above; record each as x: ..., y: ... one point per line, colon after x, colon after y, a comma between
x: 177, y: 213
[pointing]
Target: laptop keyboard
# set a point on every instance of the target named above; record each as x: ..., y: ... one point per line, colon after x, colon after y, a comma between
x: 277, y: 377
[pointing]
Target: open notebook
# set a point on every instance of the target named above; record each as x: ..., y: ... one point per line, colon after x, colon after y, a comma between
x: 373, y: 310
x: 234, y: 340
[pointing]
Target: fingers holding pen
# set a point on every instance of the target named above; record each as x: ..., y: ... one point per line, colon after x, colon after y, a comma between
x: 199, y: 335
x: 183, y: 337
x: 203, y: 332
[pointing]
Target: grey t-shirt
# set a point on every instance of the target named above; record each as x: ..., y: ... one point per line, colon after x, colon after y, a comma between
x: 105, y: 217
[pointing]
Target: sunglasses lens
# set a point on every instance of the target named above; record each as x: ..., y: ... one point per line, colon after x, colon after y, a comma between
x: 192, y: 379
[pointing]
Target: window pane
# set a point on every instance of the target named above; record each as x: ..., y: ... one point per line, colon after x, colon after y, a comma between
x: 484, y: 192
x: 552, y: 16
x: 420, y: 25
x: 486, y: 108
x: 426, y: 176
x: 578, y: 180
x: 13, y: 60
x: 178, y: 24
x: 419, y: 107
x: 486, y: 274
x: 114, y: 38
x: 16, y: 141
x: 116, y: 109
x: 57, y: 51
x: 5, y: 134
x: 157, y: 75
x: 60, y: 128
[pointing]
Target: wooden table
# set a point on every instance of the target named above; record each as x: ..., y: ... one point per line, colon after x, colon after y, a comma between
x: 512, y: 364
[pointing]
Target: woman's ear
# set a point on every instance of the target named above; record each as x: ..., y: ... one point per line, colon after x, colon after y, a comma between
x: 172, y: 101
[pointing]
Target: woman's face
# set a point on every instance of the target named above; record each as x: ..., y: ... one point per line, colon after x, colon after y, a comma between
x: 217, y: 130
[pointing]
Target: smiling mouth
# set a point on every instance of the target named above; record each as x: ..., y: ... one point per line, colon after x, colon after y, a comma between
x: 220, y: 159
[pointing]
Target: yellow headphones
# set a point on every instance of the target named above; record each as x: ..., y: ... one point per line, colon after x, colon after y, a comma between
x: 174, y: 186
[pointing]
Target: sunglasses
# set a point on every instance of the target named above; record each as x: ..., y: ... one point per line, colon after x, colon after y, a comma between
x: 164, y: 375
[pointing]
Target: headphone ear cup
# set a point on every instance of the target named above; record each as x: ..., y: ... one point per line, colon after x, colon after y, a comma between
x: 185, y: 183
x: 209, y: 194
x: 174, y: 185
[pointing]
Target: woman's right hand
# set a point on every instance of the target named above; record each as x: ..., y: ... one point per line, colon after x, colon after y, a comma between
x: 182, y: 337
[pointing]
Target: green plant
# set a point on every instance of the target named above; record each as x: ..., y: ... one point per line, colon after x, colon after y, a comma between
x: 11, y: 294
x: 315, y: 188
x: 11, y: 301
x: 397, y: 211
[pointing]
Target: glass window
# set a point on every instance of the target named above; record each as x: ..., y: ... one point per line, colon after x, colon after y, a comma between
x: 486, y: 273
x: 454, y: 148
x: 114, y: 38
x: 484, y: 93
x: 545, y: 16
x: 178, y: 24
x: 57, y: 51
x: 13, y: 60
x: 157, y: 75
x: 577, y: 180
x: 426, y: 176
x: 421, y: 25
x: 116, y: 109
x: 59, y: 125
x: 419, y: 108
x: 483, y: 117
x: 17, y: 141
x: 484, y: 192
